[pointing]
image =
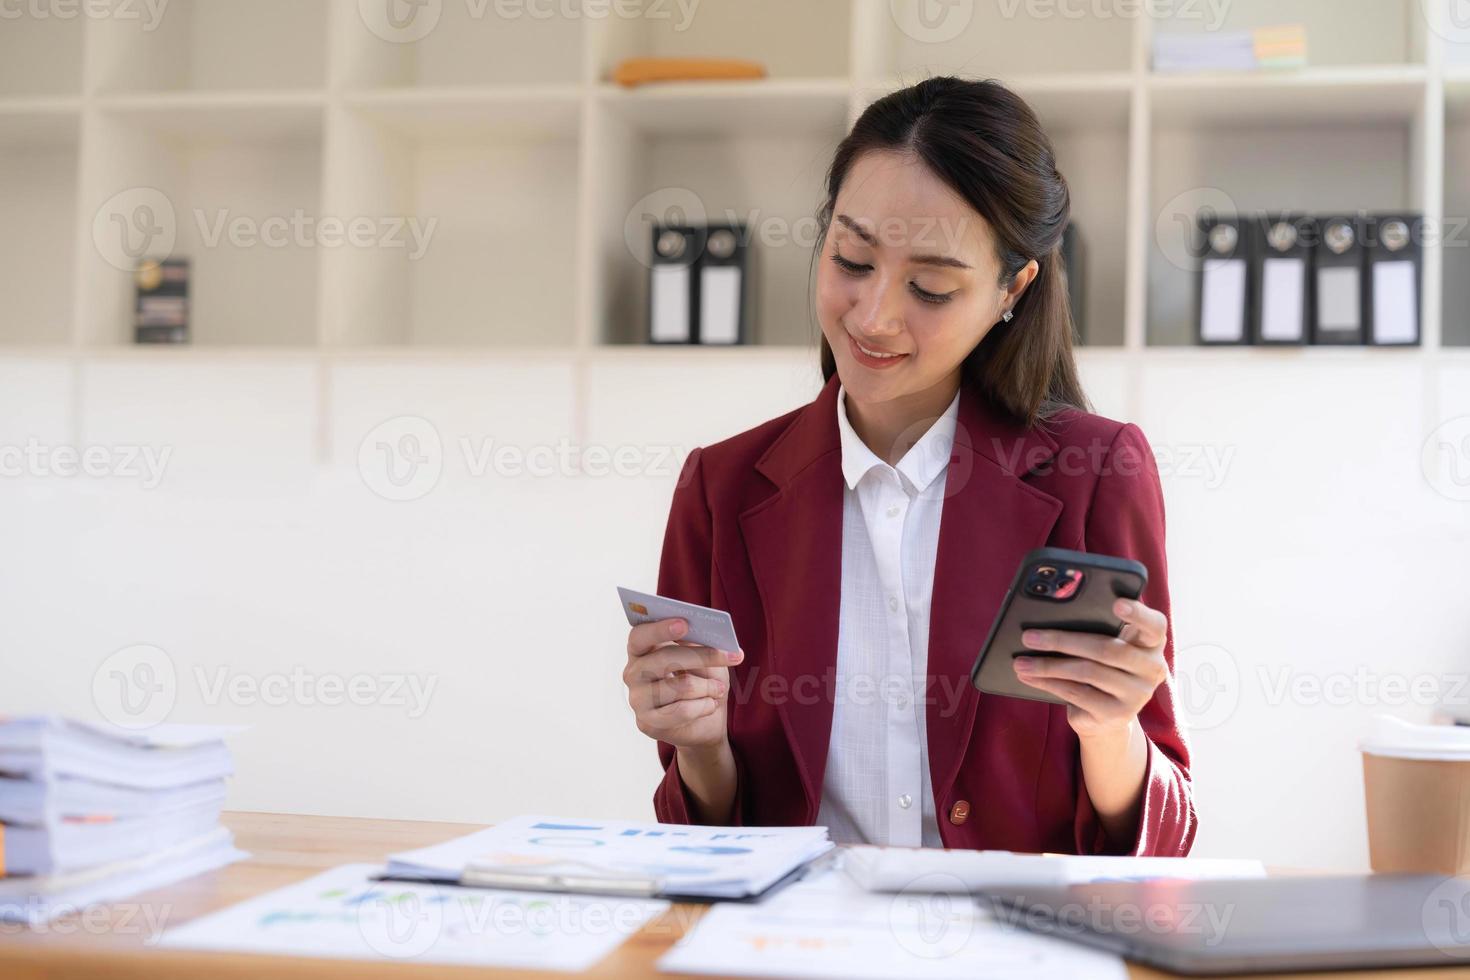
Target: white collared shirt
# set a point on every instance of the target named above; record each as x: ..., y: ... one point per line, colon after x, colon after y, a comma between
x: 876, y: 789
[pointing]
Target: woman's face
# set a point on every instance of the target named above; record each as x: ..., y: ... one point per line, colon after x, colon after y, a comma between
x: 909, y: 280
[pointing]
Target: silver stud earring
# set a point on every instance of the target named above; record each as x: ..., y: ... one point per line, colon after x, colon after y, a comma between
x: 1007, y: 316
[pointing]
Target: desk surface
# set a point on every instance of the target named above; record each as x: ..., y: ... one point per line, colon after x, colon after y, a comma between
x: 112, y: 942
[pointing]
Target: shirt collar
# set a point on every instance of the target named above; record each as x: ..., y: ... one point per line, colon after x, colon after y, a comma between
x: 920, y: 466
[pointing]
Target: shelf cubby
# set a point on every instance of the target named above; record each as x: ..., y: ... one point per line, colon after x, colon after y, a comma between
x: 492, y: 184
x: 41, y: 55
x: 764, y: 163
x: 996, y: 40
x: 1339, y: 32
x: 459, y: 44
x: 1315, y: 167
x: 812, y: 40
x: 228, y: 184
x: 212, y: 45
x: 38, y: 207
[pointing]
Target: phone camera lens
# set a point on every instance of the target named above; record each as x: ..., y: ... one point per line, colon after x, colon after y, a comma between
x: 1046, y: 571
x: 1038, y: 588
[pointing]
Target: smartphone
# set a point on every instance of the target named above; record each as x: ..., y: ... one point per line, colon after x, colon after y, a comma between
x: 1060, y: 590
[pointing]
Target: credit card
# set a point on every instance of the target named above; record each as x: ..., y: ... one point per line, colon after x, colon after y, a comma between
x: 708, y: 627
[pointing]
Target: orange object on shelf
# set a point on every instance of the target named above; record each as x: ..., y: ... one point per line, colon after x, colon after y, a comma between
x: 640, y: 71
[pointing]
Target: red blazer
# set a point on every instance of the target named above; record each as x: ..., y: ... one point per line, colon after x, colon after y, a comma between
x: 756, y: 528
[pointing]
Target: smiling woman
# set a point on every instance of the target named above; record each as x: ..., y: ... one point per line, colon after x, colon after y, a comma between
x: 862, y: 544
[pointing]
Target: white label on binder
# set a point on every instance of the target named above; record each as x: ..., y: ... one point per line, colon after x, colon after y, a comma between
x: 670, y: 303
x: 719, y: 305
x: 1395, y: 303
x: 1283, y: 291
x: 1222, y: 317
x: 1338, y: 299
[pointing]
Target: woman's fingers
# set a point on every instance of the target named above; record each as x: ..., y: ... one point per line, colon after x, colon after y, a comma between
x: 1110, y: 680
x: 657, y: 722
x: 1107, y: 650
x: 1142, y: 626
x: 1085, y: 697
x: 671, y: 659
x: 646, y: 637
x: 684, y: 687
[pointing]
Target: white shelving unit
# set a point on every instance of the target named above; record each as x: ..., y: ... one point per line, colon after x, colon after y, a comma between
x: 504, y: 131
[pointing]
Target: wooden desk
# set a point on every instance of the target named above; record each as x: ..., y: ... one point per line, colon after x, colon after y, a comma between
x: 112, y: 942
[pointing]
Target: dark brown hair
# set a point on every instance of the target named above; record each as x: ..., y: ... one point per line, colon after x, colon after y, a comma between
x: 986, y: 144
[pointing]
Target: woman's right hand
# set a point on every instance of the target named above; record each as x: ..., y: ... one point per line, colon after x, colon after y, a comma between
x: 677, y: 690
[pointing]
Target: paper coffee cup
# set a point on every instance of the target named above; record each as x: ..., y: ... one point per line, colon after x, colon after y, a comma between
x: 1416, y: 782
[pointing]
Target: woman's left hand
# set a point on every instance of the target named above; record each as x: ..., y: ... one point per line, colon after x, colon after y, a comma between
x: 1106, y: 680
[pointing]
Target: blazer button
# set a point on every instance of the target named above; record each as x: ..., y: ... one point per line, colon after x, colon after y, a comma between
x: 960, y: 812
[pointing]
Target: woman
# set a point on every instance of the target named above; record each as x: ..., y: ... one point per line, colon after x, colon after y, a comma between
x: 864, y: 542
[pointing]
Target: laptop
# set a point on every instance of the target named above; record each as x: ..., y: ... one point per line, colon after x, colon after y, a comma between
x: 1202, y: 928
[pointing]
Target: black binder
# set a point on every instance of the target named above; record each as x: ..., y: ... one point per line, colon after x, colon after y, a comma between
x: 673, y: 298
x: 1281, y: 250
x: 1395, y: 250
x: 723, y: 286
x: 1339, y: 284
x: 1224, y: 283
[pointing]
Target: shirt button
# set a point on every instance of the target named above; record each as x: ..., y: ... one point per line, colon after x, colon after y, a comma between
x: 893, y: 603
x: 902, y: 702
x: 905, y: 801
x: 893, y: 511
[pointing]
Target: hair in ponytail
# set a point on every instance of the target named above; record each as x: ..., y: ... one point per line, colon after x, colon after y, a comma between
x: 986, y: 144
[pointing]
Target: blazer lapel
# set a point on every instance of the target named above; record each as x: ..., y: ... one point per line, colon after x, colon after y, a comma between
x: 991, y: 518
x: 794, y: 540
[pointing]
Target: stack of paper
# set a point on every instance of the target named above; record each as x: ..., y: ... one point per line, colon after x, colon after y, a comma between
x: 1264, y: 47
x: 89, y: 813
x: 619, y: 857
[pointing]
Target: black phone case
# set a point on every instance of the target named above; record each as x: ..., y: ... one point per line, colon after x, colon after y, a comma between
x: 1090, y: 610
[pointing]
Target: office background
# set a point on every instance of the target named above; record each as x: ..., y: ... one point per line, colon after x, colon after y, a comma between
x: 372, y: 455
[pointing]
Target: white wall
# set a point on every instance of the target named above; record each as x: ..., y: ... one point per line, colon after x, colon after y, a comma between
x: 1322, y: 549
